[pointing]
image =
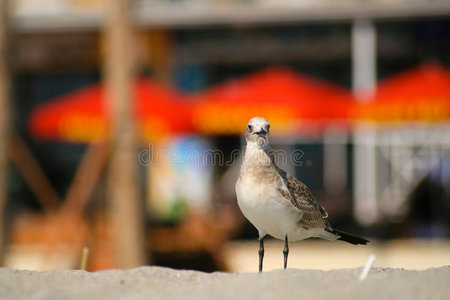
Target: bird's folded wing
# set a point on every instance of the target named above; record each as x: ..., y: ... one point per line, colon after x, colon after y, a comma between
x: 313, y: 215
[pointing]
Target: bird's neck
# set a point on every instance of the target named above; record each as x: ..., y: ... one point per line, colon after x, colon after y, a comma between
x: 254, y: 146
x: 256, y: 159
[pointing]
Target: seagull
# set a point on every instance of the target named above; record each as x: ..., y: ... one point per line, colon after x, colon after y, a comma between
x: 277, y: 203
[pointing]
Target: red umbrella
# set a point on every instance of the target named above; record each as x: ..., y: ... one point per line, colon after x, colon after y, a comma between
x: 81, y: 116
x: 421, y: 94
x: 283, y: 97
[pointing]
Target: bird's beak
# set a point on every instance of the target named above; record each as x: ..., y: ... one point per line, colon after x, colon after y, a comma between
x: 261, y: 132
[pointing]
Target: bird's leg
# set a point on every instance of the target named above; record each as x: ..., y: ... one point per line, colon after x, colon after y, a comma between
x: 261, y: 253
x: 286, y: 251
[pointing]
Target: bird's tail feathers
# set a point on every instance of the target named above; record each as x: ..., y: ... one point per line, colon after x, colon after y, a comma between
x: 347, y: 237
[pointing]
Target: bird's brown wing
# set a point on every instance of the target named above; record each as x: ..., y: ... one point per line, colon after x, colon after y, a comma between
x: 313, y: 215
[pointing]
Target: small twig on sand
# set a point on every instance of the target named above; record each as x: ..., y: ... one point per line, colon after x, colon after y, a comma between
x: 367, y: 267
x: 84, y: 258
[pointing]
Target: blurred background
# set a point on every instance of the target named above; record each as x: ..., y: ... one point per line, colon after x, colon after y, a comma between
x: 121, y: 129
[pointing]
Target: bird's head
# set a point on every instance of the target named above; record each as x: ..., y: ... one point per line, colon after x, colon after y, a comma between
x: 258, y: 132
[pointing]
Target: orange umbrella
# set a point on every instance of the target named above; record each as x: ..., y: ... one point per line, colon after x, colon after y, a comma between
x: 283, y: 97
x: 421, y: 94
x: 81, y: 116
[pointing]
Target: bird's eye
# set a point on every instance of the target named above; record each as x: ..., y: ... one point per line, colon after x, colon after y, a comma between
x: 249, y: 127
x: 268, y: 126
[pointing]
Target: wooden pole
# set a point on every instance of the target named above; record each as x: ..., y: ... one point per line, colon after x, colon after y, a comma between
x: 86, y: 178
x: 34, y: 176
x: 4, y: 116
x: 123, y: 189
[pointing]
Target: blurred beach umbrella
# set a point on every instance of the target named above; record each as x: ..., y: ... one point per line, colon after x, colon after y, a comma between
x: 420, y: 94
x: 82, y: 115
x: 290, y: 101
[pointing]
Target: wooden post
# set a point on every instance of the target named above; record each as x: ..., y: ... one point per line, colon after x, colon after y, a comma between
x: 123, y: 190
x: 85, y: 179
x: 4, y: 115
x: 19, y: 154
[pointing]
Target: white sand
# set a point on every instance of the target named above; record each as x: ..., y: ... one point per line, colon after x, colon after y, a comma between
x: 164, y: 283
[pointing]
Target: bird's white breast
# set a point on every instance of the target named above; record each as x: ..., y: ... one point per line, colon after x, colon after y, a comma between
x: 262, y: 206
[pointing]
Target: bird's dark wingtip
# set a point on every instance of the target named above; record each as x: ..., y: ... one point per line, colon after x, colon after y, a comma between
x: 349, y: 238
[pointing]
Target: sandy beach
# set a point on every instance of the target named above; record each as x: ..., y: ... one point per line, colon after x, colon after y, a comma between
x: 165, y: 283
x: 404, y: 269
